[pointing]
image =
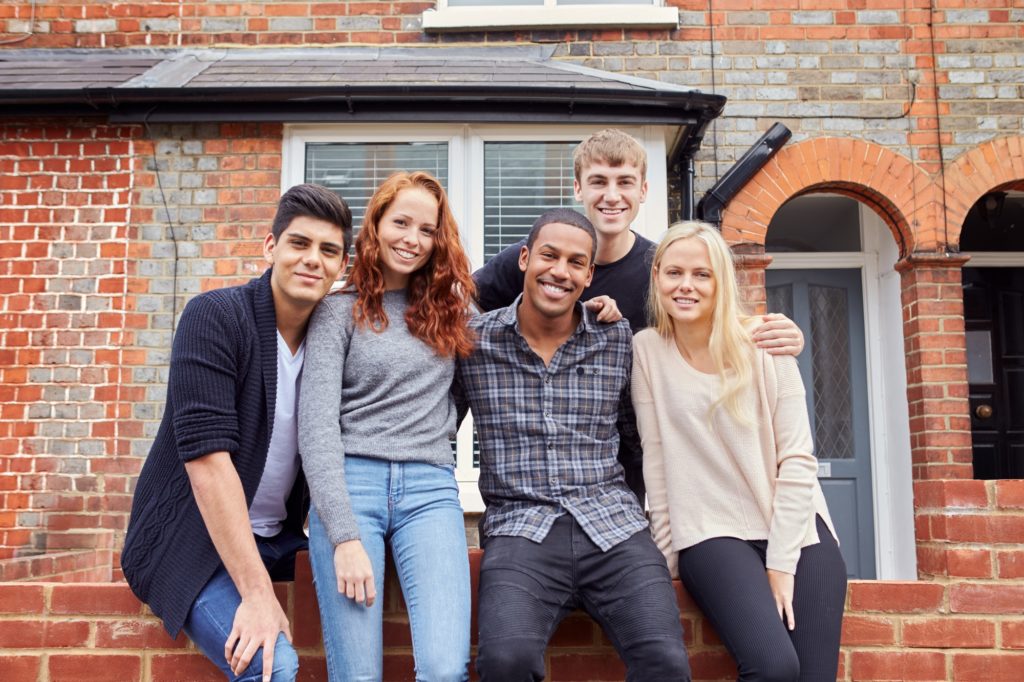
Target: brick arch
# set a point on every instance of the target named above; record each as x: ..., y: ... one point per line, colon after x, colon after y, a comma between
x: 994, y: 165
x: 862, y: 170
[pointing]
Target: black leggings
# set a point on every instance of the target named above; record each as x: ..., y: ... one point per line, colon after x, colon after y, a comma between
x: 727, y: 579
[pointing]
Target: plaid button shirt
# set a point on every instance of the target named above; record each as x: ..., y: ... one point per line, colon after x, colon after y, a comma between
x: 549, y: 435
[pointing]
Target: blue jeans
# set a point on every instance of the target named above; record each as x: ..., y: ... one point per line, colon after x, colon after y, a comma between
x: 213, y: 612
x: 414, y: 507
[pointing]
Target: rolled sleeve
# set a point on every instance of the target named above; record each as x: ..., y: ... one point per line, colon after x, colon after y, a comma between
x: 203, y: 377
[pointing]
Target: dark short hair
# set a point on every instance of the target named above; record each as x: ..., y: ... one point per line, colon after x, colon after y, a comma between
x: 566, y: 216
x: 313, y: 201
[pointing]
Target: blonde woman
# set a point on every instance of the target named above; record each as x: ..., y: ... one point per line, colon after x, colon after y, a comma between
x: 731, y: 479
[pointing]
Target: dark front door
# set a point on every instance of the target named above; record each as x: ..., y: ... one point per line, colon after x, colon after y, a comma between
x: 828, y: 307
x: 994, y: 317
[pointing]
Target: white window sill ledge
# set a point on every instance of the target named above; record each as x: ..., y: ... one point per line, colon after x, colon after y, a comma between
x: 578, y: 16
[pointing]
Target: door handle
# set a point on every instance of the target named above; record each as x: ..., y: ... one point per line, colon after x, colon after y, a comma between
x: 983, y: 411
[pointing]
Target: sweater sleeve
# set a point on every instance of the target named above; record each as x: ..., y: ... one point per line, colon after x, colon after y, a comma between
x: 500, y: 281
x: 320, y: 444
x: 203, y: 379
x: 653, y: 457
x: 797, y: 466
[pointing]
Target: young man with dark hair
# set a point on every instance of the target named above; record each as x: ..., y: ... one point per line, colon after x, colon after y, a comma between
x: 220, y: 504
x: 549, y: 390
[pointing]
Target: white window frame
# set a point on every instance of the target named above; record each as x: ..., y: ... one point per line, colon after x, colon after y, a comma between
x: 466, y: 161
x: 550, y: 15
x: 888, y: 413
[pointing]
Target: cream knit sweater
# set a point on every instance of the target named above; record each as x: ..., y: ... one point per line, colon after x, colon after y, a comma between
x: 753, y: 482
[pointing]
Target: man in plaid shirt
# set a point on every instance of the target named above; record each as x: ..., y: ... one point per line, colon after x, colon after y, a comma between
x: 549, y: 390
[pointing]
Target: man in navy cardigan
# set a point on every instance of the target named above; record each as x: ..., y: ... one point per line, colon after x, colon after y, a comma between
x: 221, y: 501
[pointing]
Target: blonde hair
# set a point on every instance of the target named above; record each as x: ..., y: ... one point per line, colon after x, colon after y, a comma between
x: 730, y: 344
x: 611, y: 146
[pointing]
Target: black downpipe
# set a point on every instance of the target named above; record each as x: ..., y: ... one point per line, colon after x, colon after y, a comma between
x: 718, y: 197
x: 688, y: 190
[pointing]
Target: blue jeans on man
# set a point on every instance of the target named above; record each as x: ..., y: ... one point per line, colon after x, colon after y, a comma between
x: 213, y: 612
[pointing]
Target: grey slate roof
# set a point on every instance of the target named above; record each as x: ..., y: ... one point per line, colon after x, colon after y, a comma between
x: 515, y: 67
x: 18, y: 73
x: 512, y: 83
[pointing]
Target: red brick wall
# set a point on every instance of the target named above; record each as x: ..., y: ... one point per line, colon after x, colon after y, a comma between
x: 912, y: 111
x: 967, y: 628
x: 64, y: 365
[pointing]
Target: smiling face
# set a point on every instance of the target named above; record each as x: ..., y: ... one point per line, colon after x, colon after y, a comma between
x: 611, y: 195
x: 406, y: 233
x: 308, y: 257
x: 686, y: 282
x: 558, y: 268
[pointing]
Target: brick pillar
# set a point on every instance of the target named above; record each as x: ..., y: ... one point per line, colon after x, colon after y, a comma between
x: 751, y: 262
x: 933, y: 330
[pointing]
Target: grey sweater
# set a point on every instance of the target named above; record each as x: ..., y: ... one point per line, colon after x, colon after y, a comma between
x: 385, y: 396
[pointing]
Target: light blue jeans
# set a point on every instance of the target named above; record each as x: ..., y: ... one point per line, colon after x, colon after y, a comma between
x: 414, y: 507
x: 213, y: 613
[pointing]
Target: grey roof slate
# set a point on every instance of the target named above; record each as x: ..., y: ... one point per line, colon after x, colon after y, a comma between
x: 55, y: 74
x: 526, y: 67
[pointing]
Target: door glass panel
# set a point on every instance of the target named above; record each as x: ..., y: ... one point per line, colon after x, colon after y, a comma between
x: 521, y: 181
x: 816, y: 222
x: 780, y: 299
x: 979, y: 356
x: 830, y: 358
x: 354, y: 170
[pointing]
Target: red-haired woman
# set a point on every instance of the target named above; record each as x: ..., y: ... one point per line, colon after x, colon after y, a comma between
x: 376, y: 421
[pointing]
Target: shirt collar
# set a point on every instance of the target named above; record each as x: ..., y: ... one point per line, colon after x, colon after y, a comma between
x: 508, y: 317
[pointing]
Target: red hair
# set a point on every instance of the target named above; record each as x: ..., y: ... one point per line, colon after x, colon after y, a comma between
x: 440, y: 293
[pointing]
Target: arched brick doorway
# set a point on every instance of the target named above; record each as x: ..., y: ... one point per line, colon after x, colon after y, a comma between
x: 861, y: 175
x: 991, y: 233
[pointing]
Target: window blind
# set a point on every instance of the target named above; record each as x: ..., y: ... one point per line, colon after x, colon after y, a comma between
x: 521, y: 181
x: 354, y: 170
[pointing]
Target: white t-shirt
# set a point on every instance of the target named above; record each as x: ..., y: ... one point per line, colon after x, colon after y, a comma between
x: 268, y: 507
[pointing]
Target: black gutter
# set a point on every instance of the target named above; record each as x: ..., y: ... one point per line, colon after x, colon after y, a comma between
x: 685, y: 107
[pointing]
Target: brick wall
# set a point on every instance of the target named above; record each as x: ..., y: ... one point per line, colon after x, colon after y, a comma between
x: 966, y: 628
x: 106, y: 230
x: 99, y: 256
x: 64, y: 214
x: 872, y: 69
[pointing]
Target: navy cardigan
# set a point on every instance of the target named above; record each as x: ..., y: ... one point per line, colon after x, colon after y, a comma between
x: 220, y: 396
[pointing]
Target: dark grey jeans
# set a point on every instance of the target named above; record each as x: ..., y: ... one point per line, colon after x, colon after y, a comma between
x: 527, y: 588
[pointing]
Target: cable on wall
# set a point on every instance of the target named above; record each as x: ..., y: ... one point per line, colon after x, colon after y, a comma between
x: 31, y: 28
x: 170, y: 223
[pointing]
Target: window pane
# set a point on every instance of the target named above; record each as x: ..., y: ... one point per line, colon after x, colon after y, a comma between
x: 830, y: 357
x: 603, y: 2
x: 492, y: 3
x: 354, y: 170
x: 780, y: 299
x: 979, y: 356
x: 521, y: 181
x: 818, y: 222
